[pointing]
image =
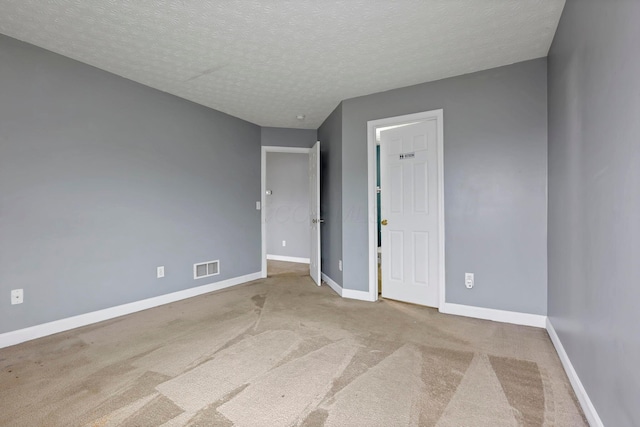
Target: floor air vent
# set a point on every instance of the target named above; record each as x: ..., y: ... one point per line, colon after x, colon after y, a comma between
x: 206, y: 269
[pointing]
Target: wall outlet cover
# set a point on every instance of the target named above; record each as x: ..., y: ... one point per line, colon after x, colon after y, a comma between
x: 469, y: 280
x: 160, y: 272
x: 17, y: 296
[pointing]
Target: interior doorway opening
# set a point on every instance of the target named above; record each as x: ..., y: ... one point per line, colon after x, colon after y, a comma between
x: 410, y: 260
x: 289, y: 206
x: 379, y: 131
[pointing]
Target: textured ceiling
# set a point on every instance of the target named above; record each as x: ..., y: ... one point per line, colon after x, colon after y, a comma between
x: 268, y: 61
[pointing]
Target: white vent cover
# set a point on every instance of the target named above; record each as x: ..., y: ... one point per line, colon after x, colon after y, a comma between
x: 206, y: 269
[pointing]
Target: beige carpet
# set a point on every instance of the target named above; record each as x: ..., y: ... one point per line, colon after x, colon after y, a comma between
x: 283, y: 352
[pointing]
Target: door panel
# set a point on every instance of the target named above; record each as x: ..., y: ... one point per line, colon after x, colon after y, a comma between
x: 314, y: 212
x: 421, y: 253
x: 396, y: 186
x: 420, y: 188
x: 409, y: 188
x: 396, y: 247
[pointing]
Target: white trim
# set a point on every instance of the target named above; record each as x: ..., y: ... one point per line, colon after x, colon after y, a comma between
x: 346, y: 293
x: 332, y: 284
x: 289, y: 259
x: 441, y: 230
x: 587, y: 406
x: 21, y: 335
x: 517, y: 318
x: 263, y: 188
x: 359, y: 295
x: 373, y: 201
x: 275, y: 149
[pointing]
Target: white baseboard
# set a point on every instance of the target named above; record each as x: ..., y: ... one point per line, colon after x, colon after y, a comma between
x: 21, y: 335
x: 289, y: 259
x: 359, y: 295
x: 332, y: 284
x: 346, y: 293
x: 586, y: 404
x: 526, y: 319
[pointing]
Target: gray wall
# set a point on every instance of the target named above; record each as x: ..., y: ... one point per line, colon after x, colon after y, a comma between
x: 330, y: 137
x: 594, y: 201
x: 495, y: 155
x: 285, y: 137
x: 103, y: 179
x: 287, y: 209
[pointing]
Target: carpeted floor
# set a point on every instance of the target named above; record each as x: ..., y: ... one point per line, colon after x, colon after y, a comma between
x: 283, y: 352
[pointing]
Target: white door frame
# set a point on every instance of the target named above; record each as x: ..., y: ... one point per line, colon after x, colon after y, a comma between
x: 373, y: 200
x: 263, y: 189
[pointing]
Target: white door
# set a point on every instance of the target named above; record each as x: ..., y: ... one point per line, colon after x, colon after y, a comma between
x: 409, y: 213
x: 314, y: 212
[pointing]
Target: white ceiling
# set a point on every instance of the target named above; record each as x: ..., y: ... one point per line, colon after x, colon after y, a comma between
x: 268, y: 61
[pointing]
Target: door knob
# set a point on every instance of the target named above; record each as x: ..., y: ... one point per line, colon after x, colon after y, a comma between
x: 384, y: 222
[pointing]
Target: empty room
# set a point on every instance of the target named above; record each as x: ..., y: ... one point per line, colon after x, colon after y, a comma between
x: 319, y: 213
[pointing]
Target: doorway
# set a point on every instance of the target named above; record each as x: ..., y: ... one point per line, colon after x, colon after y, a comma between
x: 406, y: 207
x: 289, y: 207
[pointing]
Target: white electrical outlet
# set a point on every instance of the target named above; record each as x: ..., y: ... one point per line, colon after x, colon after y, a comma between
x: 257, y: 206
x: 17, y: 296
x: 340, y: 264
x: 468, y: 280
x: 160, y: 271
x: 284, y: 243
